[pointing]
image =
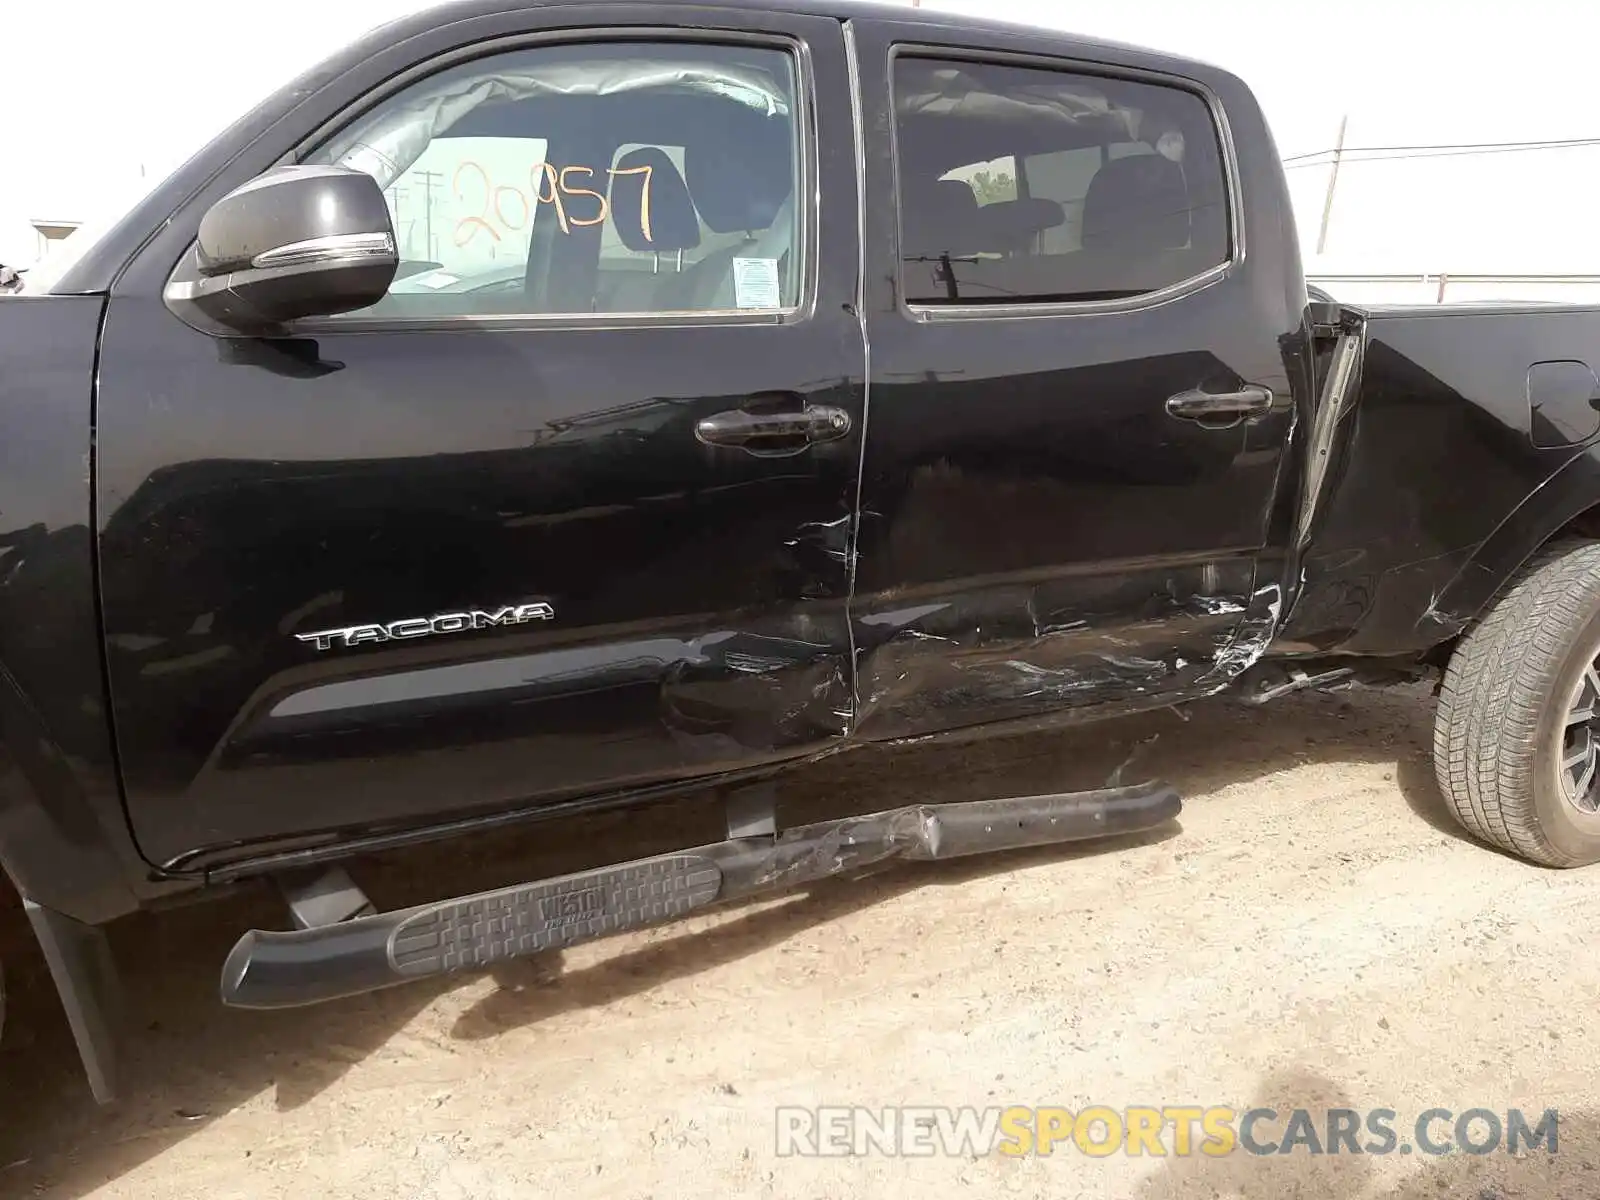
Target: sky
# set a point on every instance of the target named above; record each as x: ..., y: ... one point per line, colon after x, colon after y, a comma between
x: 169, y: 74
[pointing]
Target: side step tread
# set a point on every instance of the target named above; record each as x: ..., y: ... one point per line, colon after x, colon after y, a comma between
x: 284, y: 969
x: 530, y: 917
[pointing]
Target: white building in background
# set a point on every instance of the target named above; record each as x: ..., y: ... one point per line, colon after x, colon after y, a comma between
x: 1417, y: 73
x: 50, y: 234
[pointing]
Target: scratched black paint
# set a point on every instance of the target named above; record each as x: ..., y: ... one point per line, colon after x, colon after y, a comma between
x: 1037, y: 539
x: 1438, y: 458
x: 1026, y: 466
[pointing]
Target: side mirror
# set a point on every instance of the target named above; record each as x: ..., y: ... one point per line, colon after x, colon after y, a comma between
x: 298, y: 241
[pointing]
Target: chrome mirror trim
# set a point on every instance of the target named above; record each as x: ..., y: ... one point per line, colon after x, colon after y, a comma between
x: 331, y: 249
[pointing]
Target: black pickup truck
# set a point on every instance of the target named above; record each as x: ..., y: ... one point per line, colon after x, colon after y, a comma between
x: 547, y: 407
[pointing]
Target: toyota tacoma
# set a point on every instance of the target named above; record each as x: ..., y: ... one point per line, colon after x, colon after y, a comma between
x: 542, y: 407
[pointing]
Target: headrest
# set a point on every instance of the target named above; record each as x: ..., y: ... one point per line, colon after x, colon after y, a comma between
x: 741, y: 177
x: 1013, y: 224
x: 1140, y: 202
x: 940, y: 218
x: 673, y: 224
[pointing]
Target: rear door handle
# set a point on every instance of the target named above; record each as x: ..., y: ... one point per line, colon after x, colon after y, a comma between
x: 774, y: 434
x: 1223, y: 409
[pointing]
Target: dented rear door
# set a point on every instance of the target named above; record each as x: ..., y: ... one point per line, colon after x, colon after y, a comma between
x: 580, y: 532
x: 1080, y: 381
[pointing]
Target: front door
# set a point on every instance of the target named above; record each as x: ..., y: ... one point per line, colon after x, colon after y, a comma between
x: 567, y: 514
x: 1080, y: 399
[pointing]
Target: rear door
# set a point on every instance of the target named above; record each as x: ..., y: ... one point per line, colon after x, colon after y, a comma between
x: 566, y: 515
x: 1080, y: 399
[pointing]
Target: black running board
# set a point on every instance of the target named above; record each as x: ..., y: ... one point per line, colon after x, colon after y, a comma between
x: 287, y: 969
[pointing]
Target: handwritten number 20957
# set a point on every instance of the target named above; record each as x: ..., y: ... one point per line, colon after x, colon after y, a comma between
x: 552, y: 185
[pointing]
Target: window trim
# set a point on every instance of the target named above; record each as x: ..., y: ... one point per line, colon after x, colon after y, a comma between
x: 807, y: 185
x: 1231, y: 181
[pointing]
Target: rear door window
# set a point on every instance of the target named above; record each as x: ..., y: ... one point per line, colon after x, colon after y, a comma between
x: 1021, y: 185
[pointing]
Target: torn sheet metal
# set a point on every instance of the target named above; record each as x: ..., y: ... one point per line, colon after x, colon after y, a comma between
x: 1432, y: 455
x: 1254, y: 635
x: 1053, y: 649
x: 743, y: 693
x: 1333, y: 405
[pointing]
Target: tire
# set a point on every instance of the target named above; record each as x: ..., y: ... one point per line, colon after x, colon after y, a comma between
x: 1502, y: 743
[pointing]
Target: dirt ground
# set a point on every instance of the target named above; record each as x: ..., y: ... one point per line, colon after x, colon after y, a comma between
x: 1314, y: 933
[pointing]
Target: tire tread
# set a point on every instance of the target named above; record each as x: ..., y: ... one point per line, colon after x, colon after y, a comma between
x: 1498, y: 686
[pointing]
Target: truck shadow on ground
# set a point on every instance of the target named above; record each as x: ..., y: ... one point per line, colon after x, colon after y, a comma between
x: 189, y: 1061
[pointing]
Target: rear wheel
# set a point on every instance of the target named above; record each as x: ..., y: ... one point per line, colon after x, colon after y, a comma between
x: 1516, y: 742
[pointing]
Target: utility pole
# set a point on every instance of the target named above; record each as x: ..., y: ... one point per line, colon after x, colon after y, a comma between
x: 429, y: 178
x: 398, y: 197
x: 1333, y: 178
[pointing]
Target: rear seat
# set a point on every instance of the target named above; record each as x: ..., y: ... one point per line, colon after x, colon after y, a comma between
x: 1136, y: 237
x: 1011, y: 226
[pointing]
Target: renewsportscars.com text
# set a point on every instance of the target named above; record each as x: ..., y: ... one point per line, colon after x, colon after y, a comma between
x: 1159, y: 1130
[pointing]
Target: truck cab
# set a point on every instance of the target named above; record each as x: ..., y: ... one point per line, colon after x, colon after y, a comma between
x: 550, y: 407
x: 741, y: 321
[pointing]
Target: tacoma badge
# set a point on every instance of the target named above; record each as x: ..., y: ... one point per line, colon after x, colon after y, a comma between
x: 418, y: 627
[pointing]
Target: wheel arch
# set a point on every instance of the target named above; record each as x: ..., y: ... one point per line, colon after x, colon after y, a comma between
x: 1565, y: 505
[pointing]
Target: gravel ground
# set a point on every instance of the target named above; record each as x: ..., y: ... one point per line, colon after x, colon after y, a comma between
x: 1314, y: 933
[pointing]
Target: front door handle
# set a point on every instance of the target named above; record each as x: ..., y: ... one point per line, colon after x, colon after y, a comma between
x: 1223, y: 409
x: 774, y: 434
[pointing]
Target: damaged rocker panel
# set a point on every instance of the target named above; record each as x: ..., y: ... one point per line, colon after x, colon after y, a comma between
x: 1065, y: 648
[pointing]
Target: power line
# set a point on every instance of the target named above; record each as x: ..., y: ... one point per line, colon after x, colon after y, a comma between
x: 1451, y: 146
x: 1439, y: 150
